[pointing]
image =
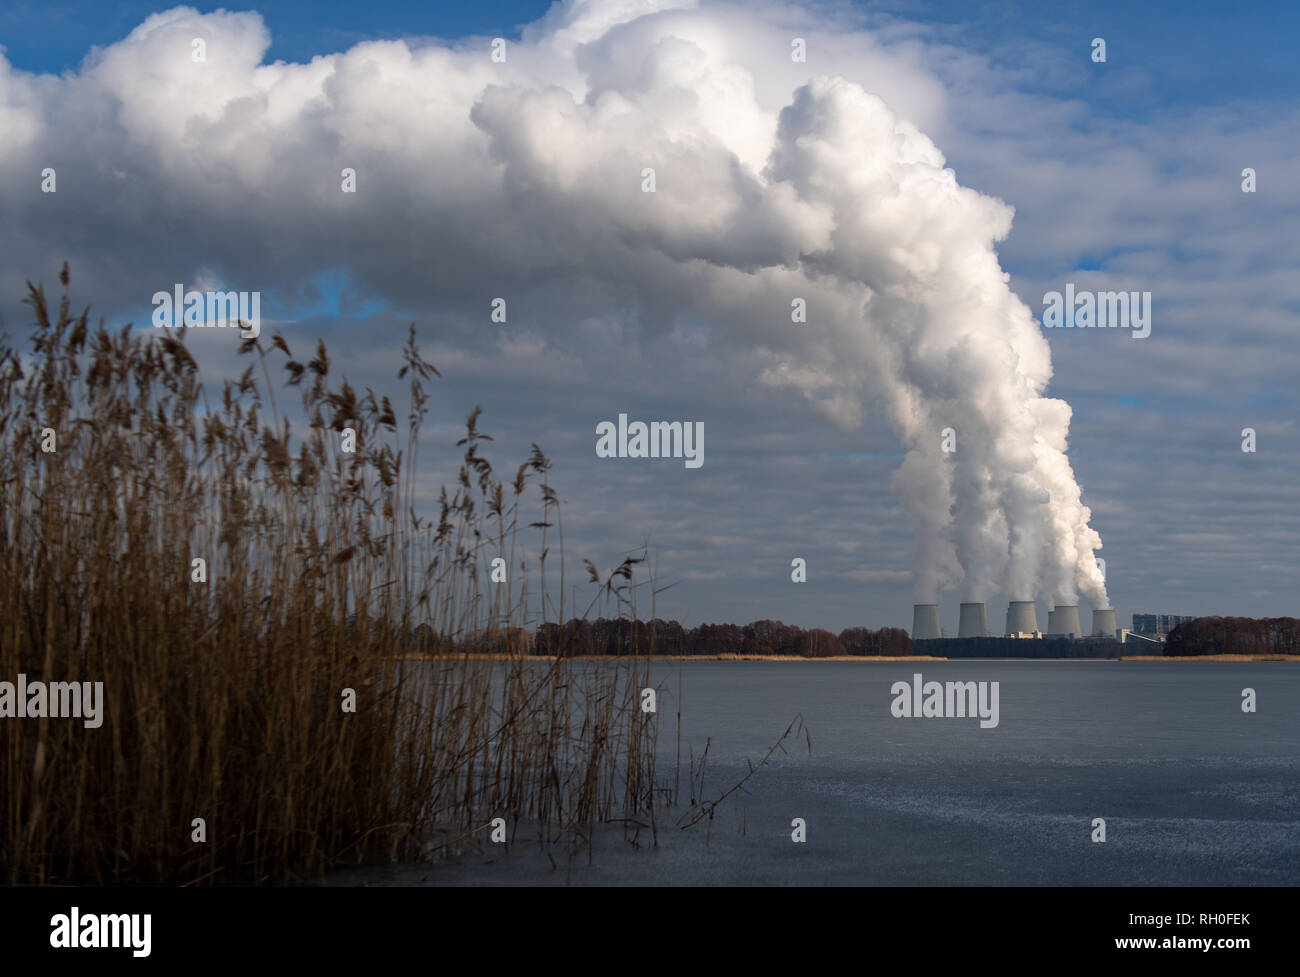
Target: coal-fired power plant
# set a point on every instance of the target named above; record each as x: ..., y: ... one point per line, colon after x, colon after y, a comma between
x: 925, y: 622
x: 1022, y: 618
x: 1064, y: 619
x: 1022, y: 622
x: 973, y: 623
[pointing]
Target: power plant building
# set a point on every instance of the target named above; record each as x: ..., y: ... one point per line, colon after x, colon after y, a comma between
x: 925, y: 622
x: 1064, y: 636
x: 1022, y: 619
x: 1157, y: 625
x: 973, y: 623
x: 1064, y: 620
x: 1103, y: 622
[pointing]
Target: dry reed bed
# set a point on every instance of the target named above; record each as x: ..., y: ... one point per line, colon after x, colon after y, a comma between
x: 1210, y: 658
x: 224, y: 698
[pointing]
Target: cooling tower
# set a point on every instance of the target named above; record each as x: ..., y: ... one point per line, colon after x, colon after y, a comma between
x: 1052, y: 623
x: 973, y: 623
x: 1103, y: 622
x: 1021, y: 617
x: 1067, y: 620
x: 925, y: 621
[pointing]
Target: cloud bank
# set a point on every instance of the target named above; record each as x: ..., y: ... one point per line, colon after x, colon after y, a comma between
x: 775, y: 181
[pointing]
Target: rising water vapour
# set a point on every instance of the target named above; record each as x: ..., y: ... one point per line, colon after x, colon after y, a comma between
x: 957, y: 350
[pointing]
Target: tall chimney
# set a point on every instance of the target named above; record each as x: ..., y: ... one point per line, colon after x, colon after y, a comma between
x: 1103, y: 622
x: 925, y: 621
x: 1021, y: 617
x: 973, y: 623
x: 1067, y: 620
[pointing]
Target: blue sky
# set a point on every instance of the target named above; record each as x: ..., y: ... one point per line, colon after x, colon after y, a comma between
x: 1124, y: 174
x: 56, y: 36
x: 1195, y: 52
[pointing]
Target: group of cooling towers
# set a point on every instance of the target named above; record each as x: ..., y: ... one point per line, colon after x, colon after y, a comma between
x: 1022, y: 621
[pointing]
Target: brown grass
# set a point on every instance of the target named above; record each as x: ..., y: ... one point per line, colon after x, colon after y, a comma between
x: 223, y: 698
x: 1210, y: 658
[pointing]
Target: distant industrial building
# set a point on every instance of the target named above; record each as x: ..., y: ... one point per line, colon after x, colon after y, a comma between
x: 1157, y: 626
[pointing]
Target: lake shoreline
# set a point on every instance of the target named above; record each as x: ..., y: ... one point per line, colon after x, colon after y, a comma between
x: 840, y: 658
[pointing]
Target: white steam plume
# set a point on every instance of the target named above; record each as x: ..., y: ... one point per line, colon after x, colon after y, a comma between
x: 775, y: 180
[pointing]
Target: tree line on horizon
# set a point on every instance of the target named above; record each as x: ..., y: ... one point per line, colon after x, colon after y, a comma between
x: 1234, y: 636
x: 622, y: 636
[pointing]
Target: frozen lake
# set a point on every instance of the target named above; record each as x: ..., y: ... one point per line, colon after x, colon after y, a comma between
x: 1193, y: 790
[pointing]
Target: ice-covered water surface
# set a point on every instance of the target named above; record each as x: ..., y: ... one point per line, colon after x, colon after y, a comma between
x: 1193, y: 790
